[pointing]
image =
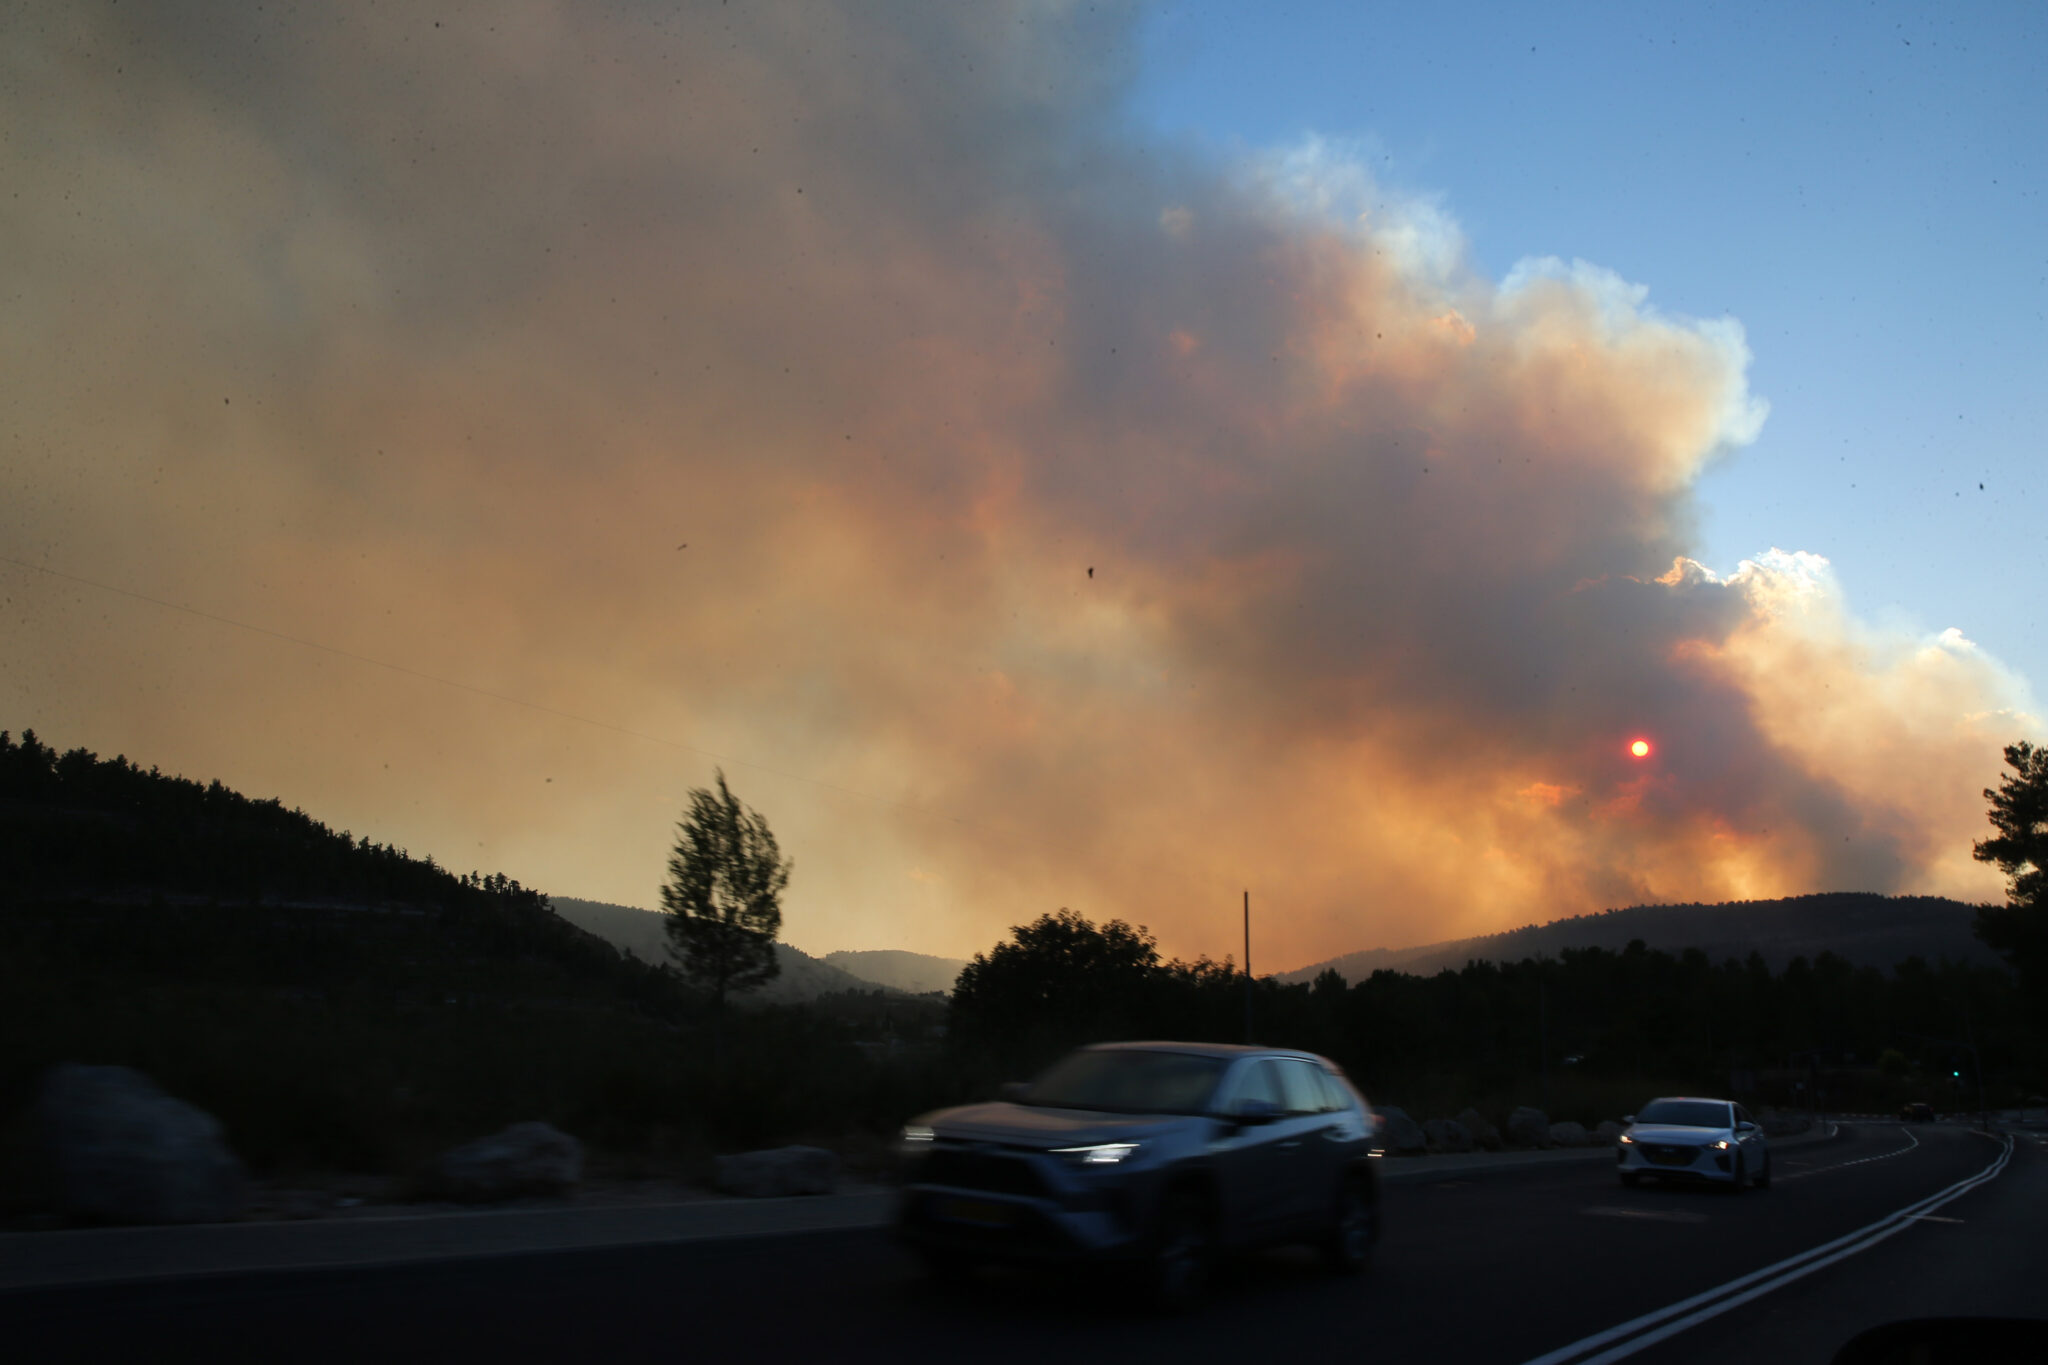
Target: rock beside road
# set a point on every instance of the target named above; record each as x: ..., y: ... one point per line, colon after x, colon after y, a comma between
x: 1484, y: 1134
x: 1570, y: 1134
x: 527, y: 1158
x: 1447, y: 1135
x: 777, y: 1171
x: 1399, y: 1133
x: 1528, y: 1128
x: 122, y: 1151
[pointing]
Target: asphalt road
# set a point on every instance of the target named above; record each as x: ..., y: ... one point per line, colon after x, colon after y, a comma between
x: 1537, y: 1263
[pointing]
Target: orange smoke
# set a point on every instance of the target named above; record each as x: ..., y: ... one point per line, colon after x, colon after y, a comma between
x: 1025, y: 517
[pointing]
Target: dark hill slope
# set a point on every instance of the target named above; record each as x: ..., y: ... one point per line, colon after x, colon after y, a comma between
x: 336, y: 1003
x: 103, y: 862
x: 906, y: 971
x: 1865, y: 929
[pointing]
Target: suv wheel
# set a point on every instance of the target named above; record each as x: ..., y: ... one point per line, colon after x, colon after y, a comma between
x: 1347, y: 1247
x: 1183, y: 1252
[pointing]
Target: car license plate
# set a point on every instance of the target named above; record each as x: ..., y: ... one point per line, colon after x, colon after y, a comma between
x: 980, y: 1212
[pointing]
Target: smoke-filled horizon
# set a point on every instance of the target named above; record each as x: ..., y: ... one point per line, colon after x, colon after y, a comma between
x: 1033, y: 513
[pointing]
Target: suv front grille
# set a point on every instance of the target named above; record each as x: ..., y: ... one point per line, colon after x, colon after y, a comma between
x: 968, y: 1169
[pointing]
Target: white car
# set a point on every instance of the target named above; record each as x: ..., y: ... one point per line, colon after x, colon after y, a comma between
x: 1684, y: 1138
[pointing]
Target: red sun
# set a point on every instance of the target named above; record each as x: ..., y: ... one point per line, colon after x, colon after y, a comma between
x: 1640, y: 748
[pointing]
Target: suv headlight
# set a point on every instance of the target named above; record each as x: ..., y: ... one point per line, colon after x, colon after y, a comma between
x: 1625, y: 1140
x: 915, y: 1138
x: 1100, y: 1154
x: 1719, y: 1145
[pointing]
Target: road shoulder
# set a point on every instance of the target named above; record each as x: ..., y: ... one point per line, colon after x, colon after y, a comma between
x: 47, y: 1260
x: 79, y: 1256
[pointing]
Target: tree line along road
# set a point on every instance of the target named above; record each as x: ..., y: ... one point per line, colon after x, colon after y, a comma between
x: 1549, y: 1262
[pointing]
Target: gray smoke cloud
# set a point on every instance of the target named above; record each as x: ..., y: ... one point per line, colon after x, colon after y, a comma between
x: 1090, y: 521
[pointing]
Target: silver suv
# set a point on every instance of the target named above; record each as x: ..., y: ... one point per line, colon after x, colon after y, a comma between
x: 1161, y: 1155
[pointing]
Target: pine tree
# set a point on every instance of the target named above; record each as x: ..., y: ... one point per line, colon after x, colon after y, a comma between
x: 723, y: 895
x: 2018, y: 930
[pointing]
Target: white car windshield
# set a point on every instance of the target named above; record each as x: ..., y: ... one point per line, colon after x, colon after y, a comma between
x: 1686, y: 1113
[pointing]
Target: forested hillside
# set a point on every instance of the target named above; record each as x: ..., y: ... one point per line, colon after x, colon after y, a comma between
x: 1866, y: 929
x: 1590, y: 1027
x: 343, y: 1004
x: 104, y: 860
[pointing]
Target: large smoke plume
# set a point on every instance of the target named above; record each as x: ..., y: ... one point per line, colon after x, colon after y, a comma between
x: 850, y: 391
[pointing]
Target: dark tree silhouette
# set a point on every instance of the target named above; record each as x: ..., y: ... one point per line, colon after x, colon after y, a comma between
x: 1057, y: 981
x: 2018, y: 930
x: 723, y: 895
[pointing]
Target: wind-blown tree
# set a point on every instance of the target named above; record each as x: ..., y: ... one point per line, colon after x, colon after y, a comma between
x: 2018, y: 930
x: 723, y: 896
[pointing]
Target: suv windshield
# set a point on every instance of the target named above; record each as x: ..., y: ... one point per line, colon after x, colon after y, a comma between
x: 1129, y: 1082
x: 1685, y: 1113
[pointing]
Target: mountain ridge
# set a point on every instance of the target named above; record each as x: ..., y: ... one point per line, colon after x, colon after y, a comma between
x: 1866, y: 928
x: 918, y: 973
x: 803, y: 977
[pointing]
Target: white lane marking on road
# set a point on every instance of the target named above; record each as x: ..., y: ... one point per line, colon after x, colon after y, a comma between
x: 1662, y: 1215
x: 1721, y: 1298
x: 1911, y: 1143
x: 1937, y: 1218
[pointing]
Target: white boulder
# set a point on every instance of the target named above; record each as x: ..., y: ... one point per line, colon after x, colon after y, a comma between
x: 122, y: 1151
x: 527, y: 1158
x: 1399, y: 1133
x: 1528, y: 1127
x: 1484, y: 1134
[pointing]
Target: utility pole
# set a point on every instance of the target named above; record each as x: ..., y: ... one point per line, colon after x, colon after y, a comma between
x: 1248, y: 966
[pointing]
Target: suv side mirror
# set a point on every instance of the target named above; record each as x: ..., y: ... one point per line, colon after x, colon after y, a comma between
x: 1014, y: 1091
x: 1745, y: 1127
x: 1251, y: 1113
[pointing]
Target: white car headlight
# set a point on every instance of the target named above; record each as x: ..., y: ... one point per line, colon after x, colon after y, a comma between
x: 915, y: 1133
x: 1720, y: 1144
x: 1625, y: 1140
x: 1099, y: 1154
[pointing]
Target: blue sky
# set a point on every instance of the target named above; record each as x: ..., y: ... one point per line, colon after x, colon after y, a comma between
x: 1861, y: 186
